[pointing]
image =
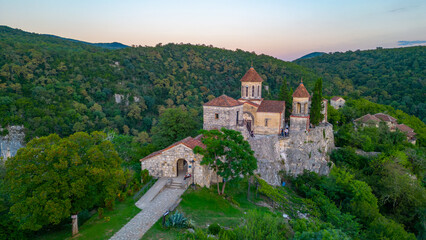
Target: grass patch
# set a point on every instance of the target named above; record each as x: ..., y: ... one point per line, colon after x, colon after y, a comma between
x: 95, y: 228
x: 204, y: 206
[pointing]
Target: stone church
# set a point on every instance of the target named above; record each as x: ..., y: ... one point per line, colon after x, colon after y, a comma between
x: 261, y: 122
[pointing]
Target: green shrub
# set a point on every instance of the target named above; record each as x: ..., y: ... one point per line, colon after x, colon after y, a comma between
x: 227, y: 235
x: 214, y: 229
x: 100, y: 213
x: 383, y: 228
x: 177, y: 220
x: 145, y: 177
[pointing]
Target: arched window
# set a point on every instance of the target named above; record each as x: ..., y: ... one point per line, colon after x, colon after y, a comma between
x: 258, y: 91
x: 247, y: 91
x: 252, y: 91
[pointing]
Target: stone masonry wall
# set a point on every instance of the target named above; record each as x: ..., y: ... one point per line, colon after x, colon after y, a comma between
x: 10, y: 143
x: 227, y: 117
x: 298, y: 123
x: 165, y: 165
x: 300, y: 151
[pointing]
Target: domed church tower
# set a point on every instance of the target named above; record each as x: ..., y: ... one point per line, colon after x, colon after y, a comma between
x: 251, y: 87
x: 299, y: 118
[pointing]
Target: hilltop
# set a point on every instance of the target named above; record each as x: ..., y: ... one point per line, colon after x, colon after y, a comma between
x: 393, y: 77
x: 51, y: 84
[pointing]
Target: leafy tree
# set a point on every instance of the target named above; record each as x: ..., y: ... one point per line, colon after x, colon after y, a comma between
x: 174, y: 124
x: 317, y: 106
x: 53, y: 178
x: 285, y: 94
x: 227, y: 153
x: 383, y: 228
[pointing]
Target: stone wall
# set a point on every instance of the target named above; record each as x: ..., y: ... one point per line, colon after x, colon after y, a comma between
x: 227, y: 117
x: 298, y: 123
x: 267, y: 152
x: 166, y: 164
x: 300, y: 151
x: 275, y: 121
x: 308, y: 150
x: 10, y: 143
x: 337, y: 104
x: 249, y: 86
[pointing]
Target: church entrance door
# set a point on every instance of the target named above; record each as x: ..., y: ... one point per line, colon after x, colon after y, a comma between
x: 182, y: 167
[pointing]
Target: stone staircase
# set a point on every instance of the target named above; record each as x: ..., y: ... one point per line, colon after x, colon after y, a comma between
x: 177, y: 183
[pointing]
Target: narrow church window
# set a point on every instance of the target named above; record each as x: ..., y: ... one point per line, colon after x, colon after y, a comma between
x: 216, y: 115
x: 252, y: 91
x: 258, y: 91
x: 247, y: 91
x: 266, y: 122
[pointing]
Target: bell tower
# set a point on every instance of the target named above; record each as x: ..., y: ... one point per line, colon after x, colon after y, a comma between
x: 299, y: 118
x: 251, y: 87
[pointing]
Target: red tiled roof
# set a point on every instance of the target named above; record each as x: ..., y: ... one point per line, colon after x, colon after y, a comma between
x: 385, y: 117
x: 271, y: 106
x: 367, y: 118
x: 410, y: 134
x: 404, y: 128
x: 335, y: 98
x: 223, y: 101
x: 251, y: 76
x: 301, y: 92
x: 189, y: 142
x: 251, y: 103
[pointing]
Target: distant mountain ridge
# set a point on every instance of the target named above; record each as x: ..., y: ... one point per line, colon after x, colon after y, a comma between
x: 311, y: 55
x: 113, y: 45
x: 392, y: 76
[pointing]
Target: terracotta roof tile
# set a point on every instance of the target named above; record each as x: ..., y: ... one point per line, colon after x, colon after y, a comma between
x: 404, y: 128
x: 301, y: 92
x: 385, y: 117
x: 189, y: 142
x: 251, y: 76
x: 410, y: 134
x: 335, y: 98
x: 223, y: 101
x: 251, y: 103
x: 271, y: 106
x: 367, y: 118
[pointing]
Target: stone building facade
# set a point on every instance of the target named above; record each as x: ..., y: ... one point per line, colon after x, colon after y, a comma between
x: 179, y: 159
x: 300, y: 118
x: 260, y: 121
x: 221, y: 112
x: 337, y: 102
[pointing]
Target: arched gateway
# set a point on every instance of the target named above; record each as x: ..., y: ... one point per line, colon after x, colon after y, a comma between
x: 179, y: 159
x: 181, y: 167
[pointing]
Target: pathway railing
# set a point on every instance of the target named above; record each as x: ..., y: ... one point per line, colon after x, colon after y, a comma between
x: 144, y: 189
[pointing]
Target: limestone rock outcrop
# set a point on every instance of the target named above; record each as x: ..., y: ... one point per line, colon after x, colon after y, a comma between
x: 12, y: 141
x: 302, y: 150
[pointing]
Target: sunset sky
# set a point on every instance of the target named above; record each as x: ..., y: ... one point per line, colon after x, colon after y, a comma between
x: 283, y: 29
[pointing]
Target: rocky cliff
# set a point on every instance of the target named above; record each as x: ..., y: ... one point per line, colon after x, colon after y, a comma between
x: 12, y: 141
x: 302, y: 150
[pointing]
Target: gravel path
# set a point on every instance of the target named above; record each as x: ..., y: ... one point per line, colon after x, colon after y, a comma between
x: 154, y: 203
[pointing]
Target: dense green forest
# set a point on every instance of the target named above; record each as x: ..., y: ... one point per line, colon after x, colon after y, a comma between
x: 393, y: 77
x: 52, y: 85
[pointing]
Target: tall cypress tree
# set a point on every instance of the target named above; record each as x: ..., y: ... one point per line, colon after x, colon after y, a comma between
x: 285, y: 94
x: 316, y: 108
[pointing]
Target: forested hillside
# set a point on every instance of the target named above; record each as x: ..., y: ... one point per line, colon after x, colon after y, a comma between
x: 393, y: 77
x: 51, y: 84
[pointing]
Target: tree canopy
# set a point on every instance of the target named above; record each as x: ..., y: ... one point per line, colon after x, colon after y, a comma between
x: 227, y: 153
x: 52, y: 178
x: 317, y: 105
